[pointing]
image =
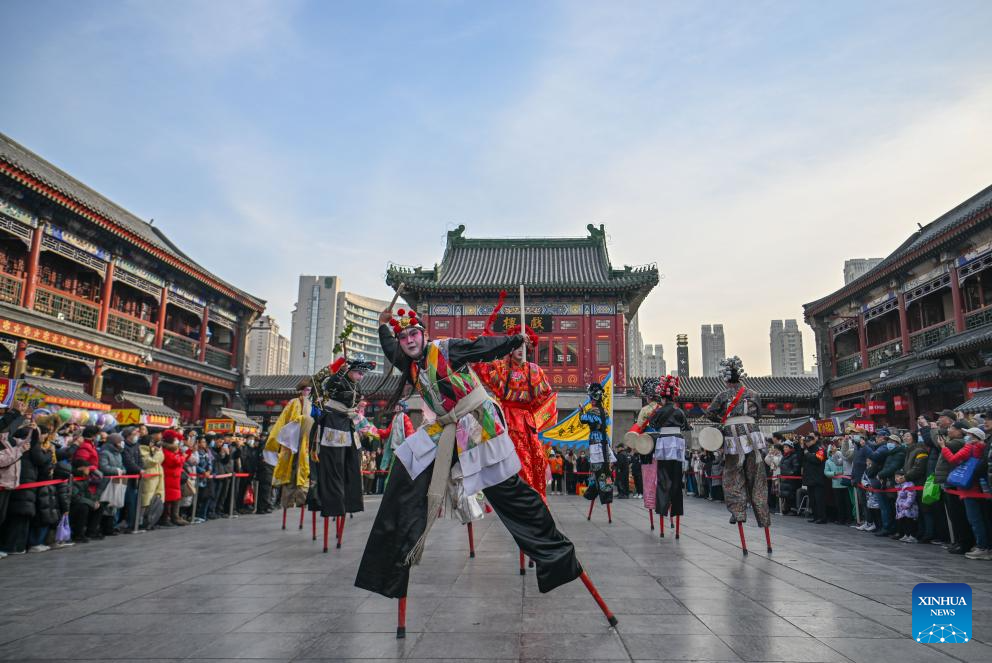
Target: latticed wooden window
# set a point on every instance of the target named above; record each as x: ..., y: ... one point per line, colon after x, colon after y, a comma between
x: 10, y: 290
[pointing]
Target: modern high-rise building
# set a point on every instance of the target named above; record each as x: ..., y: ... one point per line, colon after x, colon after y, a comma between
x: 787, y: 349
x: 322, y: 311
x: 635, y: 348
x: 654, y: 361
x: 682, y: 354
x: 714, y: 349
x: 856, y: 267
x: 268, y: 350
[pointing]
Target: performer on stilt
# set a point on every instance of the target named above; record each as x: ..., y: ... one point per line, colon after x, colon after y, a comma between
x: 524, y: 393
x: 470, y: 436
x: 287, y: 447
x: 392, y: 436
x: 335, y: 444
x: 666, y: 422
x: 601, y: 456
x: 737, y: 408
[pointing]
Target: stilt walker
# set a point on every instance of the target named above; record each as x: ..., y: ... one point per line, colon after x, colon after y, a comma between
x: 469, y: 445
x: 335, y: 435
x: 288, y: 444
x: 601, y: 456
x: 737, y: 408
x: 666, y: 423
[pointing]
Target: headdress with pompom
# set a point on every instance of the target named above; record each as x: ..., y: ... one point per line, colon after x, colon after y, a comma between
x: 732, y: 369
x: 650, y: 387
x: 404, y: 320
x: 669, y: 387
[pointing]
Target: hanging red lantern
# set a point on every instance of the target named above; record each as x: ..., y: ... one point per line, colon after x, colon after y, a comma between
x: 284, y: 403
x: 771, y: 406
x: 788, y: 407
x: 270, y: 403
x: 689, y: 406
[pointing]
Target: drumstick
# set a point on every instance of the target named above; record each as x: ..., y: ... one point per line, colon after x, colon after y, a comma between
x: 399, y: 291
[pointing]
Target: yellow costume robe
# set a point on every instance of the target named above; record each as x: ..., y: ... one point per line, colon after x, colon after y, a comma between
x: 295, y: 414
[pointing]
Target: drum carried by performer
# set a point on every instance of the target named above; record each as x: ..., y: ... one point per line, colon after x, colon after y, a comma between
x: 659, y: 437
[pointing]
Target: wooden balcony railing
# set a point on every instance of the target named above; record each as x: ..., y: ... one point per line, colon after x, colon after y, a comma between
x: 883, y: 353
x: 125, y: 326
x: 11, y: 288
x: 217, y: 357
x: 979, y: 318
x: 931, y: 336
x: 181, y: 345
x: 66, y: 307
x: 849, y: 364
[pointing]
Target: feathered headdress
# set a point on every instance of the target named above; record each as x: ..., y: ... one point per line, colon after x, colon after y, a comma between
x: 405, y: 320
x: 732, y: 369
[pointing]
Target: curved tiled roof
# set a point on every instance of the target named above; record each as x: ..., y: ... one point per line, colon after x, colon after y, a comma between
x: 558, y: 263
x: 284, y: 386
x: 703, y: 388
x: 928, y: 238
x: 141, y: 233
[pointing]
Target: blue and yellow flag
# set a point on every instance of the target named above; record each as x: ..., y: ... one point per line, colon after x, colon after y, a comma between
x: 570, y: 432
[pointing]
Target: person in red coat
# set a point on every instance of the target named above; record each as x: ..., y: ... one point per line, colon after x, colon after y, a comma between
x: 172, y: 468
x: 87, y: 449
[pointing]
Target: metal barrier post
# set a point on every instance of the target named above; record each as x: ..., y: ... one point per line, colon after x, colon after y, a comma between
x: 196, y: 496
x: 137, y: 509
x: 254, y: 488
x: 230, y: 495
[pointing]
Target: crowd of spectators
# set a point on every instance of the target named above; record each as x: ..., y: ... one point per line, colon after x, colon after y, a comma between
x: 929, y: 485
x: 96, y: 484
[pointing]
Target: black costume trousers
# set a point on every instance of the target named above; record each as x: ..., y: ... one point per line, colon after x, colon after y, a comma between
x: 402, y: 518
x: 669, y: 489
x: 339, y: 481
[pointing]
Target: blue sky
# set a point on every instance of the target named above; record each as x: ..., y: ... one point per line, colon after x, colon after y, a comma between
x: 747, y: 148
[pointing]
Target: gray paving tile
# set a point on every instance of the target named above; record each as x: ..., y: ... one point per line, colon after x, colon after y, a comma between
x: 575, y: 647
x: 679, y: 648
x: 863, y: 650
x: 238, y: 646
x: 436, y: 646
x: 798, y: 649
x: 360, y: 646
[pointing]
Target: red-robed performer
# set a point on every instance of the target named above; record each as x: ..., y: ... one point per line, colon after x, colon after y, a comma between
x: 529, y: 404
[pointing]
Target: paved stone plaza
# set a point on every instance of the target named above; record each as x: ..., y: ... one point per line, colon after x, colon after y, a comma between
x: 244, y: 589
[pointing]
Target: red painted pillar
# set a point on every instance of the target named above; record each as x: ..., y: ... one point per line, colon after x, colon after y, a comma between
x: 96, y: 384
x: 163, y: 304
x: 586, y: 344
x: 105, y: 294
x: 956, y: 301
x: 620, y: 352
x: 31, y: 282
x: 203, y: 333
x: 20, y: 363
x: 197, y: 400
x: 153, y: 390
x: 903, y: 324
x: 863, y: 340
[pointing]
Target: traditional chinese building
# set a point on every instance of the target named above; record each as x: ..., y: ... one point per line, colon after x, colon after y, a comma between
x: 105, y: 303
x: 913, y: 334
x: 577, y: 302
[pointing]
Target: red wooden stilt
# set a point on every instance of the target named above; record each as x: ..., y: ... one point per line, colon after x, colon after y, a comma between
x: 610, y: 617
x: 592, y: 503
x: 326, y: 527
x: 678, y: 523
x: 401, y: 620
x: 740, y: 529
x: 530, y: 563
x: 314, y: 525
x: 609, y: 513
x: 651, y: 516
x: 284, y: 518
x: 303, y: 512
x: 340, y: 530
x: 768, y: 540
x: 471, y: 541
x: 523, y: 569
x: 661, y: 525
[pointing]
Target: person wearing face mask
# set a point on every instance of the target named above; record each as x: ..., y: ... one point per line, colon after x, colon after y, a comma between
x: 842, y: 501
x: 469, y: 436
x: 131, y: 458
x: 111, y: 465
x: 790, y: 466
x: 960, y: 533
x: 894, y: 462
x: 814, y: 460
x: 974, y: 530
